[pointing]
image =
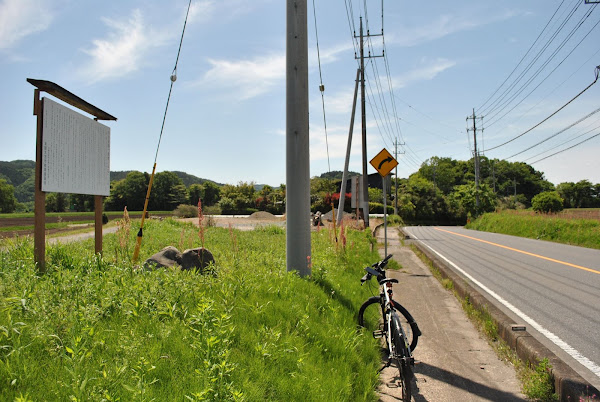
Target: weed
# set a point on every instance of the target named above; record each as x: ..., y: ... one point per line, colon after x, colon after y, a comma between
x: 539, y: 386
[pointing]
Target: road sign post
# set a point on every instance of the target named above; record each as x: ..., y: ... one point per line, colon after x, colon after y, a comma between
x: 384, y: 162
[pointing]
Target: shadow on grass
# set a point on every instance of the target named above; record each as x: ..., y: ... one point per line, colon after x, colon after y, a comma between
x: 335, y: 295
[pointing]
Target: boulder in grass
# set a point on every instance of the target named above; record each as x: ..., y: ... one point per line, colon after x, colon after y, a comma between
x: 196, y: 258
x: 167, y: 257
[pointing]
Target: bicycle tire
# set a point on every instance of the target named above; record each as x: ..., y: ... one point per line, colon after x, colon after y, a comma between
x: 403, y: 358
x: 371, y: 319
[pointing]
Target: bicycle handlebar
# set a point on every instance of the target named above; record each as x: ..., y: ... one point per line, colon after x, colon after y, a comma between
x: 376, y: 270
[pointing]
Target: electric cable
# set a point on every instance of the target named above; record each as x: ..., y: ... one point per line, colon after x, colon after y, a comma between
x: 494, y: 105
x: 321, y: 87
x: 557, y: 133
x: 566, y: 149
x: 530, y: 80
x: 173, y: 79
x: 522, y: 58
x: 586, y: 62
x: 547, y: 118
x: 562, y: 143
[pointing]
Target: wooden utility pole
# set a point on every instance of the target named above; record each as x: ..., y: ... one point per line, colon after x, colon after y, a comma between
x: 298, y: 252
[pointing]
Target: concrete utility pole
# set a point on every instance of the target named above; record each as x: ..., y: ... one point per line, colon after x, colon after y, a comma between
x: 298, y: 253
x: 476, y: 154
x: 365, y: 183
x: 396, y: 157
x: 340, y: 214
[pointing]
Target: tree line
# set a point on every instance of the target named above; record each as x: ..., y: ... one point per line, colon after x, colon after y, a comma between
x: 442, y: 191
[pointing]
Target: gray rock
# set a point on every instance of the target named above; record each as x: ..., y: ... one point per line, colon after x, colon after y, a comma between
x: 196, y: 258
x: 167, y: 257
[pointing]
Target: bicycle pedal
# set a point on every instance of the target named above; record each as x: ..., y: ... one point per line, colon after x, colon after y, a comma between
x: 378, y: 334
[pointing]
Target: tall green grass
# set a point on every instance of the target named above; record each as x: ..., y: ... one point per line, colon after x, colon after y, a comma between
x: 99, y: 329
x: 577, y: 232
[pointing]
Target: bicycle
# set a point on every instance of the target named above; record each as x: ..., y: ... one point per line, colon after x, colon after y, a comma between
x: 398, y: 327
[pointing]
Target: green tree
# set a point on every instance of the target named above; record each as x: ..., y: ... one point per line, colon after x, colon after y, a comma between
x: 129, y: 192
x: 241, y: 196
x: 428, y: 200
x: 549, y: 201
x: 56, y: 202
x: 167, y: 193
x: 196, y: 192
x: 81, y: 202
x: 444, y: 173
x: 463, y: 200
x: 212, y: 193
x: 8, y: 202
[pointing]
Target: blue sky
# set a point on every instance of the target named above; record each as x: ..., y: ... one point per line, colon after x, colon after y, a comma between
x: 226, y: 118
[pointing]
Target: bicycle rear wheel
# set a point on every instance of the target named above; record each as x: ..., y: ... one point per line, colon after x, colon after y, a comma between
x: 370, y: 318
x: 403, y: 358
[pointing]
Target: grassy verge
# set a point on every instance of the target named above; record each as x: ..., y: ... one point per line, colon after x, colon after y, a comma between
x: 99, y: 329
x: 577, y: 232
x: 537, y: 382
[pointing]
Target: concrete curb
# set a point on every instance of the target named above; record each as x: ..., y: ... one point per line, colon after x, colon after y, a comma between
x: 569, y: 385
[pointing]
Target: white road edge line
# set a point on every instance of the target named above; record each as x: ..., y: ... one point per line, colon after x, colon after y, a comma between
x: 593, y: 367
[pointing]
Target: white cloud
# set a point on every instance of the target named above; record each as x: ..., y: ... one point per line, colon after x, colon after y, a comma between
x: 428, y: 71
x: 246, y: 79
x: 201, y: 11
x: 21, y: 18
x: 443, y: 26
x: 123, y: 51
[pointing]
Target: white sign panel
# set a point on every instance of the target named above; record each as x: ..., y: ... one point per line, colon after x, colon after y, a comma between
x: 76, y: 152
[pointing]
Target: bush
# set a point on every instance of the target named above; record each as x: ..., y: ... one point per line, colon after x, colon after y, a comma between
x: 377, y: 208
x: 186, y: 211
x: 212, y: 210
x: 395, y: 220
x: 548, y: 201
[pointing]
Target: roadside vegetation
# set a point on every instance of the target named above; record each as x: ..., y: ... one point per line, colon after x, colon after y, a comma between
x: 96, y: 328
x: 566, y: 228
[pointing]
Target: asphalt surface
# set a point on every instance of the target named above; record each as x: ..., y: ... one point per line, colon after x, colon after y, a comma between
x: 453, y: 361
x: 551, y: 288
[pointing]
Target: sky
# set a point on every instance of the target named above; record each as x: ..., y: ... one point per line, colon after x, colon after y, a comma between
x: 443, y: 62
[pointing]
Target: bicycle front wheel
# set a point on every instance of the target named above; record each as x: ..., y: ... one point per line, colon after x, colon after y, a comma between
x: 370, y: 318
x: 403, y: 357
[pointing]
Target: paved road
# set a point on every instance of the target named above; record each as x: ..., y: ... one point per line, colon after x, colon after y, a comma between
x: 553, y: 289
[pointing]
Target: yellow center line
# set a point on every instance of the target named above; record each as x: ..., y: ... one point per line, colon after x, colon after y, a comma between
x: 522, y: 252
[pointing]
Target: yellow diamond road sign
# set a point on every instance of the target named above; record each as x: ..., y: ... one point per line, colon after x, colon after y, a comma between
x: 384, y: 162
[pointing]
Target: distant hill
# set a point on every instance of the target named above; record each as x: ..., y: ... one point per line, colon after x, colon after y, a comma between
x: 21, y: 175
x: 337, y: 175
x: 188, y: 179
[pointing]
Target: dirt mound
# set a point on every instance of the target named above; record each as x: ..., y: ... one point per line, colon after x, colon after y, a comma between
x: 263, y: 215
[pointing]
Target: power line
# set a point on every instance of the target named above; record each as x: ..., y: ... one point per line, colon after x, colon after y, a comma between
x: 561, y: 108
x: 566, y: 149
x: 557, y: 133
x: 494, y: 105
x: 530, y: 80
x: 562, y: 143
x: 522, y: 58
x: 585, y: 63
